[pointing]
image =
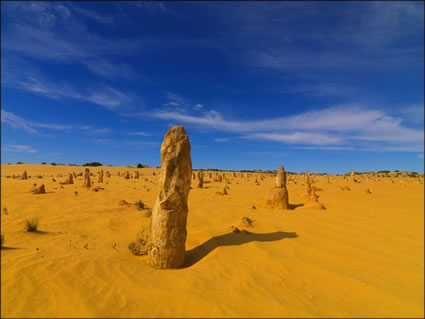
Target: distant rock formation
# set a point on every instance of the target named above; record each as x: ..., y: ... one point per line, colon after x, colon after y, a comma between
x: 224, y: 192
x: 100, y: 180
x: 169, y: 214
x: 277, y: 197
x: 199, y: 179
x: 243, y: 225
x: 87, y: 182
x: 313, y: 202
x: 69, y: 180
x: 39, y: 190
x: 24, y: 175
x: 136, y: 174
x: 308, y: 190
x: 352, y: 175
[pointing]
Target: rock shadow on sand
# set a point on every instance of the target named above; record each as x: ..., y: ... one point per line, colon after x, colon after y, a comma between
x: 231, y: 239
x: 294, y: 206
x: 9, y: 248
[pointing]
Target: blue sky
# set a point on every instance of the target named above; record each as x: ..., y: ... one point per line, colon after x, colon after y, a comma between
x: 324, y: 86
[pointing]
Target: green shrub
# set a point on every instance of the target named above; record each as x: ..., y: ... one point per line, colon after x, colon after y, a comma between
x: 139, y: 166
x: 93, y: 164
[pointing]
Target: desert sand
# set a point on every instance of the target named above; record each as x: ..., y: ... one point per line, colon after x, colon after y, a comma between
x: 362, y: 256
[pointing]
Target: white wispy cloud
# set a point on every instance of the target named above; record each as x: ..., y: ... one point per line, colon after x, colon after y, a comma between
x: 18, y: 122
x: 368, y: 37
x: 328, y: 148
x: 297, y: 138
x: 109, y: 97
x: 92, y: 130
x: 33, y: 127
x: 421, y: 156
x: 57, y: 32
x: 139, y: 133
x: 221, y: 139
x: 100, y: 18
x: 18, y: 148
x: 339, y: 125
x: 103, y: 95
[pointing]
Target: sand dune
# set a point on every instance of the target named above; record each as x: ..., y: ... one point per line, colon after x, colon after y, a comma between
x: 363, y: 256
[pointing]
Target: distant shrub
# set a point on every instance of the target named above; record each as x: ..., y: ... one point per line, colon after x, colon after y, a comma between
x: 139, y: 166
x: 412, y: 174
x: 43, y: 163
x: 19, y: 163
x: 31, y: 225
x: 54, y: 164
x: 383, y: 172
x: 93, y: 164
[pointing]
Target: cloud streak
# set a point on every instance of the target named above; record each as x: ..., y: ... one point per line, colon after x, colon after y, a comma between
x: 18, y: 148
x: 102, y: 95
x: 33, y: 127
x: 338, y: 125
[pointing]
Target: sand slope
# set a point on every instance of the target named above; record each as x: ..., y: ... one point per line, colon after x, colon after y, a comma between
x: 361, y: 257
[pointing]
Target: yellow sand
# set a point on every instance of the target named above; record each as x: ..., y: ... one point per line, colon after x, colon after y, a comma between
x: 361, y: 257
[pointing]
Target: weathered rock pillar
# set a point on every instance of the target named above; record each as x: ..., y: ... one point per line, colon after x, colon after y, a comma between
x: 277, y: 197
x: 86, y: 182
x: 169, y: 214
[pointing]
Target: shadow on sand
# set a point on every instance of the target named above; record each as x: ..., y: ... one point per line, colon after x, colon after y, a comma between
x: 231, y: 239
x: 9, y: 248
x: 42, y: 232
x: 293, y: 206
